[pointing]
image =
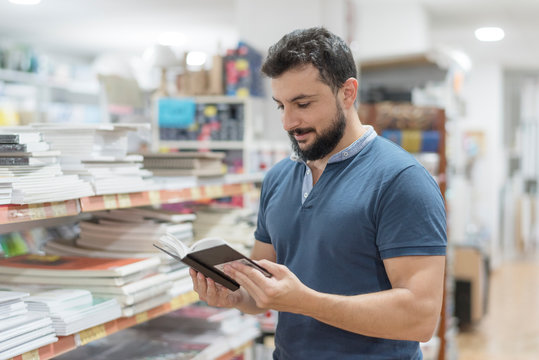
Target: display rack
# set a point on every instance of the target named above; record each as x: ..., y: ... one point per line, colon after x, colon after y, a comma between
x: 230, y: 186
x: 407, y: 117
x: 71, y: 342
x: 29, y: 212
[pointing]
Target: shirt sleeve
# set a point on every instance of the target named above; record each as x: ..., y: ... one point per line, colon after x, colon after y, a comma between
x: 261, y: 233
x: 411, y: 218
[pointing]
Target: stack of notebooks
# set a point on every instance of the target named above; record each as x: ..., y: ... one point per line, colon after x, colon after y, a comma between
x: 133, y: 282
x: 73, y: 310
x: 130, y: 233
x: 185, y: 163
x: 30, y: 171
x: 133, y: 229
x: 22, y: 330
x: 97, y: 153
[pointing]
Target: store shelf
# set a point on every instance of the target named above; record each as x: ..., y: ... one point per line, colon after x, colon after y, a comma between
x: 70, y: 85
x: 228, y: 186
x: 155, y: 197
x: 29, y: 212
x: 68, y: 343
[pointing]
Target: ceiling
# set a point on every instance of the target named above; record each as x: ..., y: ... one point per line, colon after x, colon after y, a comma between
x: 88, y: 28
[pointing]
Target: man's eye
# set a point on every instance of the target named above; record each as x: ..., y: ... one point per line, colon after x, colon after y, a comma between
x: 280, y: 107
x: 303, y: 105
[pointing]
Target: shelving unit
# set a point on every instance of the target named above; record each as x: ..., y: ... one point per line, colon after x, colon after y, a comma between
x: 49, y: 90
x: 243, y: 107
x: 406, y: 117
x: 71, y: 342
x: 230, y: 186
x: 29, y: 212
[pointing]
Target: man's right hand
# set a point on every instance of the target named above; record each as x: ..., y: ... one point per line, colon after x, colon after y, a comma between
x: 215, y: 294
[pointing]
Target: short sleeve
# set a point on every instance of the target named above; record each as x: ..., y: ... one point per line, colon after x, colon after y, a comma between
x: 411, y: 218
x: 261, y: 233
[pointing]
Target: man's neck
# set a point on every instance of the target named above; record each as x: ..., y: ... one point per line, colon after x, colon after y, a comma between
x: 318, y: 166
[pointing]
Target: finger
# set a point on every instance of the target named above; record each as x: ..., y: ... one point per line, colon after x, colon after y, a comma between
x: 250, y: 279
x: 275, y: 269
x: 202, y: 286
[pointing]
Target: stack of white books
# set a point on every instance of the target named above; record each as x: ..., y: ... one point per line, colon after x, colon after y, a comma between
x: 134, y: 282
x: 73, y: 310
x: 30, y: 170
x: 98, y: 153
x: 21, y: 330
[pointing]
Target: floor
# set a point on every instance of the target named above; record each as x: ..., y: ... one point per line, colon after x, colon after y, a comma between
x: 510, y: 329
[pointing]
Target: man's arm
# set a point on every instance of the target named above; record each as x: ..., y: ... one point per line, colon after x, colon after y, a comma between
x: 408, y: 311
x: 217, y: 295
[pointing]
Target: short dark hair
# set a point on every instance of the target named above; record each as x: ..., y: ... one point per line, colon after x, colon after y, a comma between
x: 317, y: 46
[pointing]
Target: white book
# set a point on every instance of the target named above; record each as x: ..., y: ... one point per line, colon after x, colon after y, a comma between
x: 7, y: 137
x: 28, y: 346
x: 21, y: 324
x: 57, y: 300
x: 9, y: 296
x: 8, y: 343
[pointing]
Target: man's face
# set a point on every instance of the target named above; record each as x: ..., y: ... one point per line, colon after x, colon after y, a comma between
x: 311, y: 114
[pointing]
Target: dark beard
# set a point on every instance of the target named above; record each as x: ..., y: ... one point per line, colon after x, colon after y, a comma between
x: 325, y: 143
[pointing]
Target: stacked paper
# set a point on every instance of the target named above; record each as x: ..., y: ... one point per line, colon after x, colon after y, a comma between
x: 98, y: 154
x: 133, y: 282
x: 73, y: 310
x: 21, y: 330
x: 34, y: 176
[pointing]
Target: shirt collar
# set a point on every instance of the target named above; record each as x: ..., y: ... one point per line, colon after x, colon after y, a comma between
x: 350, y: 151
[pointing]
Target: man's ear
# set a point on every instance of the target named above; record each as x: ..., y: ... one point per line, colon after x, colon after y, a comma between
x: 349, y: 88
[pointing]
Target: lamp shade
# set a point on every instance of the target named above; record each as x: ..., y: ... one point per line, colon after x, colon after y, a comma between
x: 160, y: 56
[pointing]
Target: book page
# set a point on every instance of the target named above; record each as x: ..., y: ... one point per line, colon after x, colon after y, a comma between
x: 174, y: 245
x: 207, y: 243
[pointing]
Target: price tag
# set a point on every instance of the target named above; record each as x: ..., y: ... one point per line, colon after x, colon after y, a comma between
x: 36, y: 211
x: 91, y: 334
x: 177, y: 302
x: 59, y: 209
x: 155, y: 197
x: 196, y: 193
x: 110, y: 201
x: 142, y: 317
x: 31, y: 355
x: 124, y: 200
x: 215, y: 191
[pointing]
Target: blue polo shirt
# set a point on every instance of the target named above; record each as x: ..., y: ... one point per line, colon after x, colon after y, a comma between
x: 375, y: 204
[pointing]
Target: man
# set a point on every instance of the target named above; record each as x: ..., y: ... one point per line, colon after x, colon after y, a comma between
x: 352, y: 228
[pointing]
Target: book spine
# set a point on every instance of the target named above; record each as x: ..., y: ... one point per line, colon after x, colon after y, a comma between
x: 13, y: 148
x: 7, y: 161
x: 9, y: 139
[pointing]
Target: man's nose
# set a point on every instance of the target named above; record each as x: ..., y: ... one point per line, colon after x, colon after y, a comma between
x: 290, y: 120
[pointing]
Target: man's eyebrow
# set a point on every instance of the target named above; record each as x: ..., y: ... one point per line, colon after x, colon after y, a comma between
x: 296, y: 98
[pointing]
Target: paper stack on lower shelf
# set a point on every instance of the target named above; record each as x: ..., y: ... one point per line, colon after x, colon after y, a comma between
x: 21, y: 330
x: 74, y: 310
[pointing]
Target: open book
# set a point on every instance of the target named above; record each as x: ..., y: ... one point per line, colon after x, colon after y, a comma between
x: 207, y: 256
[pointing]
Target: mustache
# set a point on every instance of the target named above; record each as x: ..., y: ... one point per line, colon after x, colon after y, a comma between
x: 299, y: 131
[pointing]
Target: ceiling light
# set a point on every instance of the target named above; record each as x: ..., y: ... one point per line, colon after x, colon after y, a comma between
x: 489, y: 34
x: 25, y: 2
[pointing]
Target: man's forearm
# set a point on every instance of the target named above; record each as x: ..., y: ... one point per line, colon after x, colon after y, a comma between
x: 393, y: 314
